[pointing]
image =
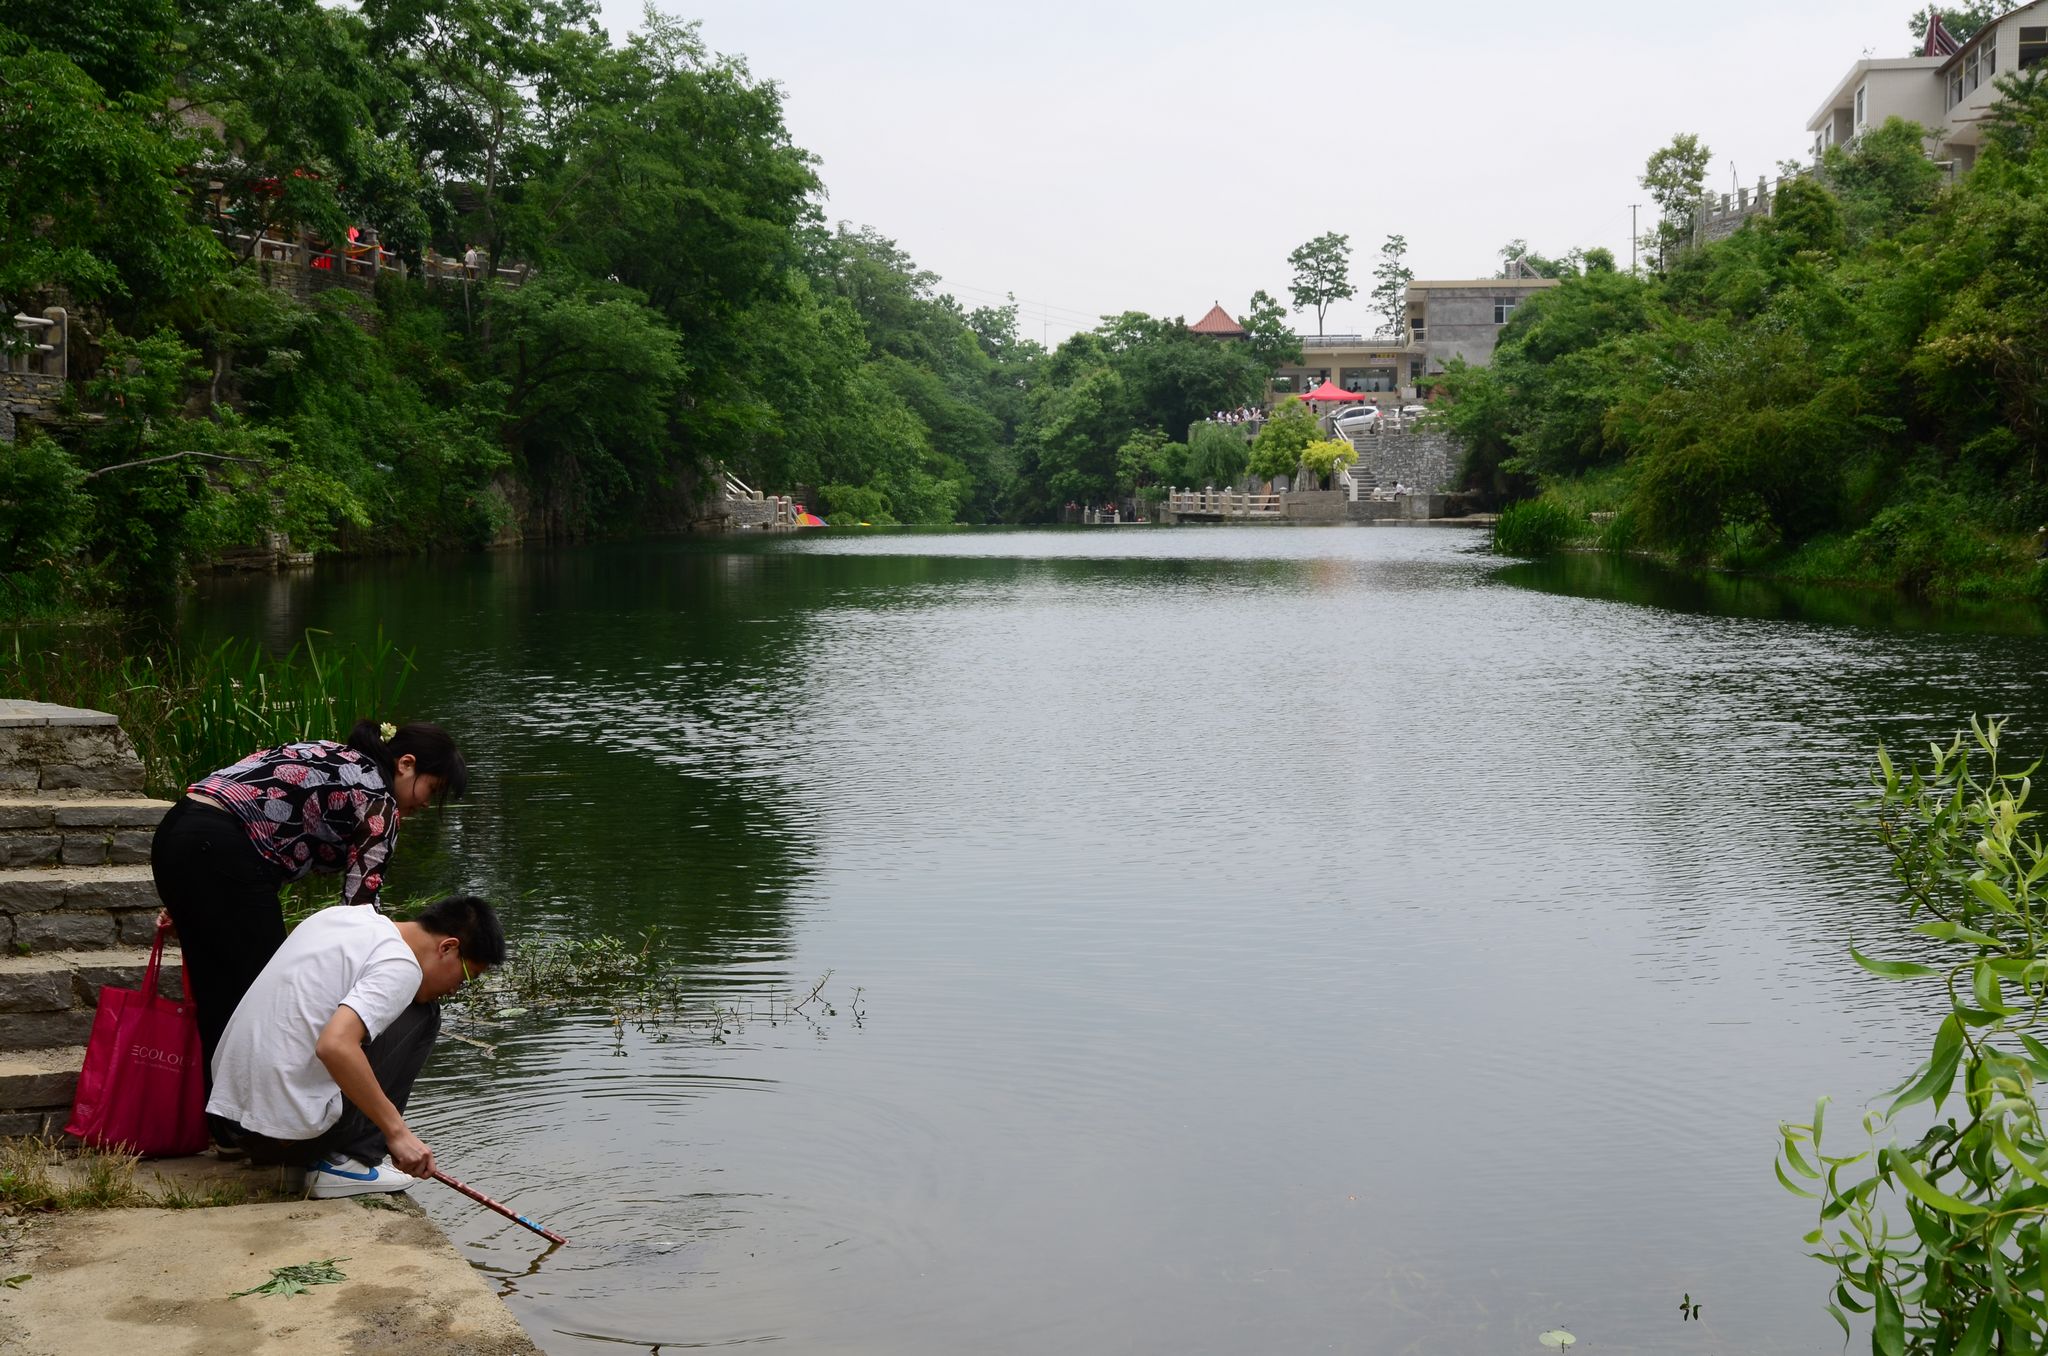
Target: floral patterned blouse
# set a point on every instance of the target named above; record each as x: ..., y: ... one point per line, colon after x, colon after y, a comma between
x: 317, y: 806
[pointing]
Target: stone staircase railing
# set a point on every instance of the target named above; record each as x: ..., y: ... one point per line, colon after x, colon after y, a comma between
x: 77, y: 906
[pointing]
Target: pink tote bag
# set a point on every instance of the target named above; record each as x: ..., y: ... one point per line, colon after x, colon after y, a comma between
x: 143, y: 1088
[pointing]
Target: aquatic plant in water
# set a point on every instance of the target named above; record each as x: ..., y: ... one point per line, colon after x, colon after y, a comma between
x: 1969, y: 1272
x: 636, y: 986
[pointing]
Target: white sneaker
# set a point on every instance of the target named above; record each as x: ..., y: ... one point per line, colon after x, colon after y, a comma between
x: 340, y: 1175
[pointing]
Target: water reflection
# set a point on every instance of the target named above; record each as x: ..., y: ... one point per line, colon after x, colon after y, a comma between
x: 1598, y: 575
x: 1274, y: 939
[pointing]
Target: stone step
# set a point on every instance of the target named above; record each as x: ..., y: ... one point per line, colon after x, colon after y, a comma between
x: 62, y: 749
x: 76, y: 908
x: 48, y: 1000
x: 32, y: 1080
x: 88, y: 830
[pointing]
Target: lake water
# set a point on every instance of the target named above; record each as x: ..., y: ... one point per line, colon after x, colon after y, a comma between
x: 1268, y: 940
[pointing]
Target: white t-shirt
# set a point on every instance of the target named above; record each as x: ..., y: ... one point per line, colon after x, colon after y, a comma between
x: 266, y: 1075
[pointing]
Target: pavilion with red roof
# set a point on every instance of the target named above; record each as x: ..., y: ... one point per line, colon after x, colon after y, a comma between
x: 1219, y: 324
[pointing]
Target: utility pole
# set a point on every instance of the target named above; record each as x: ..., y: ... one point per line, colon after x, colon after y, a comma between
x: 1632, y: 238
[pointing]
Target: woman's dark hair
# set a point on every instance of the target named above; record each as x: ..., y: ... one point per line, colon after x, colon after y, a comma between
x: 432, y: 748
x: 471, y: 922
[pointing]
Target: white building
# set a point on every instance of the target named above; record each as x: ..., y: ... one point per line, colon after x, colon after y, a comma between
x: 1948, y: 93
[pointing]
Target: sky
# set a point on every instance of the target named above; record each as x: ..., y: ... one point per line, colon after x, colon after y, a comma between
x: 1161, y: 155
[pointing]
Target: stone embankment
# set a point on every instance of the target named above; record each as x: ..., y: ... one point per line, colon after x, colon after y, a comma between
x: 1424, y: 459
x: 77, y: 911
x: 77, y: 906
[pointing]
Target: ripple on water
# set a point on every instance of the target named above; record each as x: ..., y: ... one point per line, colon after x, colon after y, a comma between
x: 1267, y: 937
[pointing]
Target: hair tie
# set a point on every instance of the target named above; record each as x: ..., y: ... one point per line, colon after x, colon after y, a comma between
x: 387, y: 731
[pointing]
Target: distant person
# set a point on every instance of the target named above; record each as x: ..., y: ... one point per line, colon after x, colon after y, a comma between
x: 319, y: 1061
x: 472, y: 261
x: 239, y: 835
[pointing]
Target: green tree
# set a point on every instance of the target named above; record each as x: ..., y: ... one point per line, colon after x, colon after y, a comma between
x: 1391, y: 277
x: 1884, y: 181
x: 1322, y: 274
x: 1278, y: 448
x: 292, y: 87
x: 1078, y: 433
x: 1963, y: 22
x: 91, y: 198
x: 2018, y: 122
x: 1270, y: 336
x: 1675, y: 175
x: 1218, y: 455
x: 1149, y: 459
x: 591, y: 380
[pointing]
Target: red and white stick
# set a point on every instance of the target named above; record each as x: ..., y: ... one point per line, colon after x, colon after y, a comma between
x: 507, y: 1211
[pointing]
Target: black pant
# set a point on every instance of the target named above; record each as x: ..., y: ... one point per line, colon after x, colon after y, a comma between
x: 396, y: 1058
x: 222, y: 894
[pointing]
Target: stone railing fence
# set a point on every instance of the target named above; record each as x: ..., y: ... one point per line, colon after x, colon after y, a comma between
x: 33, y: 364
x: 303, y: 266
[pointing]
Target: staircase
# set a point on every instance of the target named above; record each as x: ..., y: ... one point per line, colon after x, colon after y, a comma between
x: 77, y: 907
x: 1357, y: 482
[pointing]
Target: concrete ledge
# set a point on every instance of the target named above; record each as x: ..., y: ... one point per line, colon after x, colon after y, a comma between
x: 32, y: 1079
x: 160, y: 1280
x: 17, y: 714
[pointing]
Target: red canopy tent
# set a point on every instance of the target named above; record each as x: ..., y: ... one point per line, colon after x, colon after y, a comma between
x: 1330, y: 390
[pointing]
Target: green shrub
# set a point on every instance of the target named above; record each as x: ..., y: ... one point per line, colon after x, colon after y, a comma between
x: 42, y: 508
x: 1536, y: 527
x: 1962, y: 1272
x: 852, y: 505
x: 1322, y: 457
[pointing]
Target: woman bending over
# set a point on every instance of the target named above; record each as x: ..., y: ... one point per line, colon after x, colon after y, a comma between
x: 241, y: 834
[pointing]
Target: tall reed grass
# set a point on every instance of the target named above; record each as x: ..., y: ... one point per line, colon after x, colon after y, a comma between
x: 1536, y: 527
x: 190, y: 712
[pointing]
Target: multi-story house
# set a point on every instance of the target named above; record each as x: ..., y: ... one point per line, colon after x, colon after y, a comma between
x: 1947, y: 89
x: 1444, y: 319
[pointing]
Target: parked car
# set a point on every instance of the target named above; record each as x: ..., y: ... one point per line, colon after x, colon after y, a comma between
x: 1414, y: 411
x: 1364, y: 419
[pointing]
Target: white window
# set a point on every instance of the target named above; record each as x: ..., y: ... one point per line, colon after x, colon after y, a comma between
x: 1503, y: 307
x: 1862, y: 106
x: 1970, y: 73
x: 2033, y: 46
x: 1955, y: 89
x: 1820, y: 143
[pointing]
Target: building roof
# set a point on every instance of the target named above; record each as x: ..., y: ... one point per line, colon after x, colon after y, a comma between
x: 1218, y: 321
x: 1956, y: 58
x: 1424, y: 285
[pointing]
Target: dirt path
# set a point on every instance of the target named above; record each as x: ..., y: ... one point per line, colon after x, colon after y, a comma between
x: 105, y: 1282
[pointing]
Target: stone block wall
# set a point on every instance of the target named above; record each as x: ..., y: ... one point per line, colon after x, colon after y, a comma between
x: 83, y: 757
x: 76, y: 834
x: 1314, y: 506
x: 1423, y: 459
x: 78, y: 906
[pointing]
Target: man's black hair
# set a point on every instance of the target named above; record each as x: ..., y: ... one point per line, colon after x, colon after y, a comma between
x: 472, y: 922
